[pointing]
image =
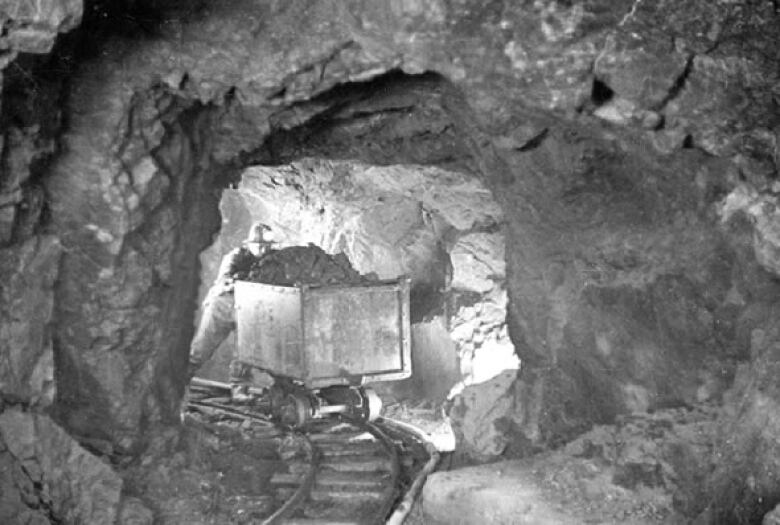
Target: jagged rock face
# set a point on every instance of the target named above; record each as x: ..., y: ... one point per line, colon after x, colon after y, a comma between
x: 644, y: 468
x: 27, y: 369
x: 625, y: 279
x: 32, y: 27
x: 47, y: 475
x: 745, y: 486
x: 124, y: 209
x: 625, y: 267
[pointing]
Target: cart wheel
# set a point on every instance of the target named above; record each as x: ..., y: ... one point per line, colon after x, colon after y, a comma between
x: 276, y: 398
x: 373, y: 404
x: 294, y: 411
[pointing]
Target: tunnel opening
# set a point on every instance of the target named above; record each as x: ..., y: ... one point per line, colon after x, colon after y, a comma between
x: 376, y: 171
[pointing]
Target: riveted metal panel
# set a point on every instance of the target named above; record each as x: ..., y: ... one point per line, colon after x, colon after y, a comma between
x: 356, y: 333
x: 268, y: 327
x: 326, y: 335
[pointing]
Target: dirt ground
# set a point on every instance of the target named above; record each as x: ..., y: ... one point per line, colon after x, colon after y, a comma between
x: 643, y: 469
x: 217, y: 469
x: 213, y: 472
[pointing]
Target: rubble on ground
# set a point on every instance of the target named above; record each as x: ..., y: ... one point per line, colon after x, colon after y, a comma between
x: 646, y: 468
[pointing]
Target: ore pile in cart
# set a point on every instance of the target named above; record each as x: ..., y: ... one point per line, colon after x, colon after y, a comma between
x: 323, y: 344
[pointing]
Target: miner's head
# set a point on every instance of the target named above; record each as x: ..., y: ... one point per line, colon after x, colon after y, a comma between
x: 259, y: 239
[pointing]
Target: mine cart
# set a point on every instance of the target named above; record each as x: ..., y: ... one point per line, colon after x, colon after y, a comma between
x: 323, y: 344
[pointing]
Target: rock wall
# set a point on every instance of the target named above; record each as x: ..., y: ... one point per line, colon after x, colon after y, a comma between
x: 29, y: 123
x: 540, y: 54
x: 123, y: 210
x: 27, y: 366
x: 744, y: 484
x: 46, y: 476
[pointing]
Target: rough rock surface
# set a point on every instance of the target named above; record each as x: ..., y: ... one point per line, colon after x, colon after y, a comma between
x: 26, y: 306
x: 479, y: 326
x: 585, y: 119
x: 480, y: 415
x: 29, y: 117
x: 32, y: 27
x: 745, y: 483
x: 772, y: 517
x: 21, y: 200
x: 125, y: 215
x: 616, y: 275
x: 645, y: 469
x: 47, y: 476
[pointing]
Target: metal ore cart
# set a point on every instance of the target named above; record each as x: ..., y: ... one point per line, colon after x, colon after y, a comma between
x: 327, y: 340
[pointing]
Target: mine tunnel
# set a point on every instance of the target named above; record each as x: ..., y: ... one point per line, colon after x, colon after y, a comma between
x: 581, y: 196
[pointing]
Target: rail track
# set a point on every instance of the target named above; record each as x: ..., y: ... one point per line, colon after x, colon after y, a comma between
x: 336, y: 470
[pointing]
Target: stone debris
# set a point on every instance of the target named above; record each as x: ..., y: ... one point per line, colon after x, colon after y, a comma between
x: 479, y: 415
x: 646, y: 468
x: 310, y: 265
x: 773, y: 517
x: 134, y: 512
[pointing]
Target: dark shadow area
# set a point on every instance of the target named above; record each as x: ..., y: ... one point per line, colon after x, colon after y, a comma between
x: 395, y: 118
x: 600, y: 93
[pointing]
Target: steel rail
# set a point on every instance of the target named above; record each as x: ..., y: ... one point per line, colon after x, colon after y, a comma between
x: 407, y: 502
x: 388, y: 492
x: 391, y: 492
x: 300, y: 495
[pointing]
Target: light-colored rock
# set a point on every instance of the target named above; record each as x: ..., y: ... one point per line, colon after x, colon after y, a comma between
x: 35, y: 25
x: 477, y: 414
x: 747, y: 476
x: 617, y: 111
x: 639, y: 66
x: 29, y: 272
x: 134, y: 512
x: 772, y: 517
x: 478, y: 262
x: 493, y: 494
x: 764, y: 209
x: 645, y: 469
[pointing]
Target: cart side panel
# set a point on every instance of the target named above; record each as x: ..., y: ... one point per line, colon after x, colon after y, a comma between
x: 268, y: 328
x: 357, y: 332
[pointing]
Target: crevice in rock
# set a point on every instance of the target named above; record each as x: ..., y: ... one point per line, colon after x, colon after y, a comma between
x: 31, y: 120
x: 678, y: 85
x: 535, y: 142
x: 600, y: 93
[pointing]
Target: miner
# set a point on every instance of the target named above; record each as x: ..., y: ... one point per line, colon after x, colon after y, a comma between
x: 218, y: 316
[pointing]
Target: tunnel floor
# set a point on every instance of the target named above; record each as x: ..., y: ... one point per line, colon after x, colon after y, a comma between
x: 220, y: 470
